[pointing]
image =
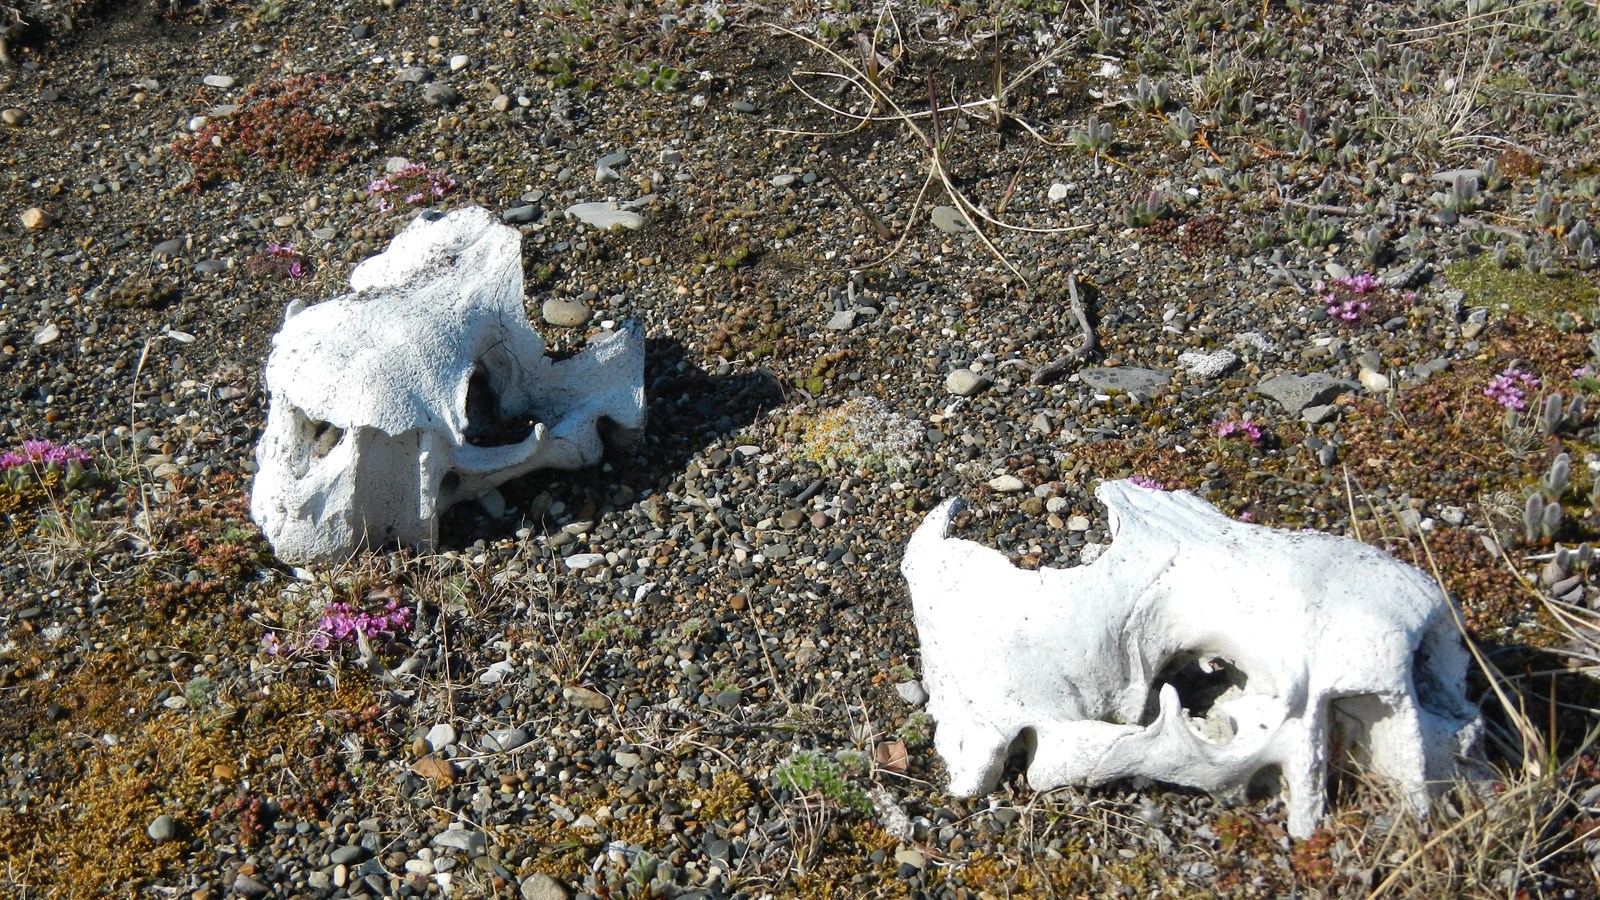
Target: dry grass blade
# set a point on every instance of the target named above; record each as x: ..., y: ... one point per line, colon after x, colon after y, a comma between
x: 971, y: 213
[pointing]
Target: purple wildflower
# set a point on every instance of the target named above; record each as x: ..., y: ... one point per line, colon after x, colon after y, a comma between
x: 1250, y: 431
x: 1510, y: 388
x: 1346, y: 310
x: 1145, y: 482
x: 414, y: 182
x: 1360, y: 284
x: 43, y: 453
x: 341, y: 622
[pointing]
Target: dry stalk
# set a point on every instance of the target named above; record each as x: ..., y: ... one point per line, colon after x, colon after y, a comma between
x: 1083, y: 349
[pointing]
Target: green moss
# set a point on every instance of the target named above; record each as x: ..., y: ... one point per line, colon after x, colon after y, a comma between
x: 1543, y: 296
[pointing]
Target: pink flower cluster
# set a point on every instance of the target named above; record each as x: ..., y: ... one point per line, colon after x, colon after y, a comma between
x: 413, y: 181
x: 277, y: 261
x: 1350, y: 308
x: 1510, y: 388
x: 1248, y: 430
x: 287, y: 251
x: 341, y: 621
x: 43, y: 453
x: 1144, y: 482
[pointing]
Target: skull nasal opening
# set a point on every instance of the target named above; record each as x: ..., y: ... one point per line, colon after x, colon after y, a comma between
x: 485, y: 426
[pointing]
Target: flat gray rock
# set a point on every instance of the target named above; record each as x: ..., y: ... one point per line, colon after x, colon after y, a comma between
x: 1296, y: 392
x: 605, y: 215
x: 948, y: 219
x: 503, y: 739
x: 471, y: 842
x: 1128, y: 379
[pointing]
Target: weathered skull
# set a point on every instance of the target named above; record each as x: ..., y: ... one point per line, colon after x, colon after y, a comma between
x: 1196, y: 650
x: 425, y: 387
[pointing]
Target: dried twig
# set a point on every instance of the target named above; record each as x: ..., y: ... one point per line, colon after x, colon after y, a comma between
x: 1084, y: 349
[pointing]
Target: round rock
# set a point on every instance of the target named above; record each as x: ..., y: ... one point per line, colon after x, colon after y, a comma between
x: 540, y: 886
x: 438, y: 93
x: 163, y: 829
x: 564, y: 312
x: 964, y: 382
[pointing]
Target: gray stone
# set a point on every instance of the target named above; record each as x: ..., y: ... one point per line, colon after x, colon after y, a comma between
x: 469, y: 841
x: 1296, y: 392
x: 583, y: 698
x: 1449, y: 176
x: 626, y: 758
x: 249, y: 888
x: 949, y: 220
x: 348, y: 854
x: 614, y: 160
x: 964, y: 382
x: 168, y: 248
x: 439, y: 93
x: 564, y: 312
x: 1128, y: 379
x: 415, y: 75
x: 743, y: 106
x: 842, y: 320
x: 49, y: 334
x: 503, y: 739
x: 1006, y: 484
x: 912, y: 692
x: 1431, y: 368
x: 605, y: 215
x: 441, y: 736
x: 1208, y: 365
x: 577, y: 562
x: 520, y: 215
x: 219, y: 81
x: 164, y: 828
x: 211, y: 266
x: 1316, y: 415
x: 539, y: 886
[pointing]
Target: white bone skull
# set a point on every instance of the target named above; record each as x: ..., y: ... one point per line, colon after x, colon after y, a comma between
x: 1196, y: 650
x: 424, y: 388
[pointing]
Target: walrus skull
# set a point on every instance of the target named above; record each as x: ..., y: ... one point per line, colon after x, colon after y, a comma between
x: 1196, y: 650
x: 425, y: 387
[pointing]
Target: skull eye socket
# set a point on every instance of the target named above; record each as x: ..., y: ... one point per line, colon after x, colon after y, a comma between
x: 485, y: 427
x: 1201, y: 680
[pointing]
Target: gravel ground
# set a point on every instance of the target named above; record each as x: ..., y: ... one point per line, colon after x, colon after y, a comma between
x: 692, y: 670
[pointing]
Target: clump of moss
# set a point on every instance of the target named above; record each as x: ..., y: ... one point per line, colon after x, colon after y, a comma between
x: 1547, y: 297
x: 863, y: 432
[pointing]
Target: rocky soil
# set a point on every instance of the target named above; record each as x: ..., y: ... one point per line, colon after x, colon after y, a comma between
x: 1328, y: 266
